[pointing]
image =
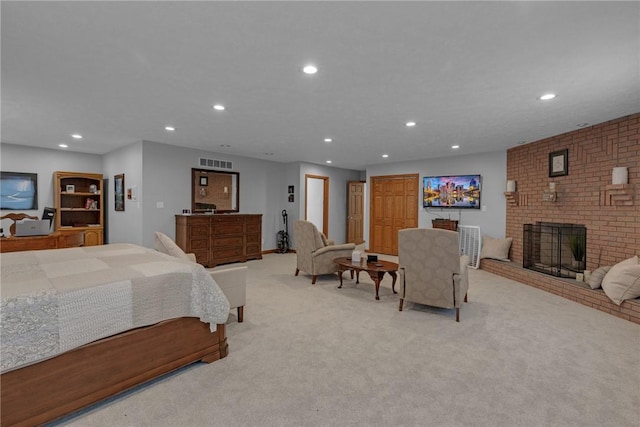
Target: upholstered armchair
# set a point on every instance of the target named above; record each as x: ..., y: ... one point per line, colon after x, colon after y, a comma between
x: 315, y: 253
x: 430, y: 268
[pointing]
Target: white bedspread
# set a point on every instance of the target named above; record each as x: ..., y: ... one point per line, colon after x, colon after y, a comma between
x: 56, y: 300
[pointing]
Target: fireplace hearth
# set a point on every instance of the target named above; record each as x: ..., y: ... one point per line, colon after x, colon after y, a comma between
x: 556, y: 249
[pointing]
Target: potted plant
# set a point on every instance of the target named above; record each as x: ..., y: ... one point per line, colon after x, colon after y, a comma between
x: 578, y: 246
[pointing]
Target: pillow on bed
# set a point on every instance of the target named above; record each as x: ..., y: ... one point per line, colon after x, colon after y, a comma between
x: 495, y: 248
x: 623, y: 281
x: 162, y: 243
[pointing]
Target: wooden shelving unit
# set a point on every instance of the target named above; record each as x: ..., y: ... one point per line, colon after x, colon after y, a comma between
x: 79, y: 205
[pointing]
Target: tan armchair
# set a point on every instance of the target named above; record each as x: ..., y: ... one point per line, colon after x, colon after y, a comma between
x: 431, y: 270
x: 315, y: 253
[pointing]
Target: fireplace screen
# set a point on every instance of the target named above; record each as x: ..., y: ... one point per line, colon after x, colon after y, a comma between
x: 556, y: 249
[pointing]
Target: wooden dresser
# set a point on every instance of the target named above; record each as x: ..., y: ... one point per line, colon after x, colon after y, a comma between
x: 33, y: 243
x: 220, y: 239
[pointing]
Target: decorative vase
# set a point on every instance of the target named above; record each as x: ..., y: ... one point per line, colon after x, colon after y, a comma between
x: 620, y: 175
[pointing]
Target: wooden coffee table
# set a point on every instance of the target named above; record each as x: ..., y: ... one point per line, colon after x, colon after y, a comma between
x: 376, y: 271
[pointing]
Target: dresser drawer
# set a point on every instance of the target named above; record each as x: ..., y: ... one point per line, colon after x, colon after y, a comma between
x: 200, y: 230
x: 254, y: 249
x: 253, y: 238
x: 235, y: 253
x: 199, y: 244
x: 226, y: 242
x: 227, y: 228
x: 253, y: 228
x: 230, y: 219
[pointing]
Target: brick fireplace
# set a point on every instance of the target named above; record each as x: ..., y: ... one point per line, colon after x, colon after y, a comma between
x: 555, y: 249
x: 584, y: 196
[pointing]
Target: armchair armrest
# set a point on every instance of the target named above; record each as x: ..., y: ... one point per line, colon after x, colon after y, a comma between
x: 333, y: 248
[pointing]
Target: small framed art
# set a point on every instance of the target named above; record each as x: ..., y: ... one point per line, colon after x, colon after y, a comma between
x: 119, y: 192
x: 559, y: 163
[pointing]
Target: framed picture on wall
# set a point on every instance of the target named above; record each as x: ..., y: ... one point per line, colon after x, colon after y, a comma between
x: 559, y: 163
x: 204, y: 181
x: 118, y: 181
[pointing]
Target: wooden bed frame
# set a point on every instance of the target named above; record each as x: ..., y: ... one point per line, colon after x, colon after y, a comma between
x: 55, y: 387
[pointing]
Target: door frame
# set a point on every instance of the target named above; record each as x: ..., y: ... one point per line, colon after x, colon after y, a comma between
x: 325, y: 200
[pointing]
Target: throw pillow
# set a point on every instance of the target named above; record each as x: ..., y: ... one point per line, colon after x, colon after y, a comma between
x: 162, y: 243
x: 495, y: 248
x: 623, y: 281
x: 595, y: 281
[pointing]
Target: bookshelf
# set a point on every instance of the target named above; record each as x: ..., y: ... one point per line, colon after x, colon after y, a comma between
x: 79, y: 205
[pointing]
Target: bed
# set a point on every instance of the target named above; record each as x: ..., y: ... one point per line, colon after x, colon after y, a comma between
x: 82, y: 324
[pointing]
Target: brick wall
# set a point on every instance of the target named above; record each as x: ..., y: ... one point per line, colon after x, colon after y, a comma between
x: 613, y: 231
x: 566, y: 288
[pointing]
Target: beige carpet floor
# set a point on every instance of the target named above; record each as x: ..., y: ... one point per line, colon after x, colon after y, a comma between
x: 321, y: 356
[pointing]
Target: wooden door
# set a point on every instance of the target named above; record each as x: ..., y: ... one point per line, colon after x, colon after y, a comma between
x: 394, y: 206
x: 355, y: 212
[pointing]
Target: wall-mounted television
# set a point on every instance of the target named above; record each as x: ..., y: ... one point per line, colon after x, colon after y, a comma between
x: 454, y: 191
x: 18, y: 191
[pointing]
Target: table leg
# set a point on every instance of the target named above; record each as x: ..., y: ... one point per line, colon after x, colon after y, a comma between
x: 340, y: 271
x: 393, y: 284
x: 376, y: 277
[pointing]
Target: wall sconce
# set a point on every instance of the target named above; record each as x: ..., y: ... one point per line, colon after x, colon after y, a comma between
x: 203, y: 191
x: 550, y: 194
x: 511, y: 186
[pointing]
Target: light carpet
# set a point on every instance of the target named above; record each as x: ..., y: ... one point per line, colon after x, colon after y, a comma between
x: 315, y: 355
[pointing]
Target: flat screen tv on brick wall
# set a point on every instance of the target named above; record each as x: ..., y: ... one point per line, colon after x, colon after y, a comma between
x: 454, y: 191
x: 18, y: 191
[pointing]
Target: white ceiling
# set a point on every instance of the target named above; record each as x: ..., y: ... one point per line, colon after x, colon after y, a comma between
x: 469, y: 73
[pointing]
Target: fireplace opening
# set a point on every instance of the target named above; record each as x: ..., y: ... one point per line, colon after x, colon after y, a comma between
x: 556, y: 249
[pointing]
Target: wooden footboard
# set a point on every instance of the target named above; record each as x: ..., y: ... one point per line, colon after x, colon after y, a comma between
x: 59, y: 386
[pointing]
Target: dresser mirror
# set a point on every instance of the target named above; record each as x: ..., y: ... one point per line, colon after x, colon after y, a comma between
x: 214, y: 191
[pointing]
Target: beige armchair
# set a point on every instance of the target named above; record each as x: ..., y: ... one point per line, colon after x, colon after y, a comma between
x: 315, y: 253
x: 232, y: 280
x: 430, y: 268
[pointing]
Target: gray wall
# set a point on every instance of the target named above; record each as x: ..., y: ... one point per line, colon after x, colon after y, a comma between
x: 18, y: 158
x: 162, y: 173
x: 338, y: 179
x: 492, y: 166
x: 125, y: 226
x: 167, y: 180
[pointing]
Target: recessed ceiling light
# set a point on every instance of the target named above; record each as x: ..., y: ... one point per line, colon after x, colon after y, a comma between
x: 218, y: 107
x: 169, y: 128
x: 581, y: 125
x: 522, y: 142
x: 225, y: 145
x: 329, y: 161
x: 63, y: 146
x: 455, y: 147
x: 310, y: 69
x: 76, y: 136
x: 410, y: 124
x: 384, y: 156
x: 547, y: 96
x: 328, y: 140
x: 268, y: 154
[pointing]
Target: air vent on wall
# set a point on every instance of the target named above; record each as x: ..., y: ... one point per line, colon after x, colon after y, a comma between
x: 215, y: 163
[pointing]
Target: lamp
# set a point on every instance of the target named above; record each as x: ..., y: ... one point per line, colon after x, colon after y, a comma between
x: 550, y: 194
x: 511, y: 186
